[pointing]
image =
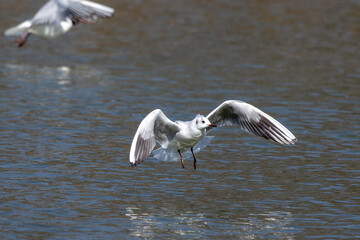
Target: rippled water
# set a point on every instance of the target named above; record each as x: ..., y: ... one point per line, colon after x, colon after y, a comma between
x: 70, y: 108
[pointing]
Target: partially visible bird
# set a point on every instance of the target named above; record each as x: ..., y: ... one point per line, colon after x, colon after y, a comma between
x: 56, y: 17
x: 176, y: 138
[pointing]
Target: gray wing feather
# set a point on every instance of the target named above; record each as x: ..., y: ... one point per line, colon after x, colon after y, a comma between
x: 87, y: 11
x: 250, y: 119
x: 155, y: 127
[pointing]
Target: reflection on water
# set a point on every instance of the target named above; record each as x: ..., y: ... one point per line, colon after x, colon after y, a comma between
x: 271, y: 224
x: 191, y: 224
x: 70, y: 107
x: 143, y: 223
x: 185, y: 224
x: 62, y: 73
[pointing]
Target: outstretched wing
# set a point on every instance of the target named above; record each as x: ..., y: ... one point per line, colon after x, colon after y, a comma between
x: 87, y: 11
x: 75, y: 10
x: 250, y: 119
x: 155, y: 127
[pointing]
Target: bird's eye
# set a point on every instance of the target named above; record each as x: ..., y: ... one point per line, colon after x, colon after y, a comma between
x: 196, y: 121
x: 203, y: 121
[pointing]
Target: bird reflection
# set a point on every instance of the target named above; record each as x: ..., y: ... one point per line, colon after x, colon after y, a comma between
x: 191, y: 224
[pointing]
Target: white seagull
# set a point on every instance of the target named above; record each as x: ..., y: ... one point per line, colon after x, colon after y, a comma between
x: 56, y: 17
x: 176, y: 138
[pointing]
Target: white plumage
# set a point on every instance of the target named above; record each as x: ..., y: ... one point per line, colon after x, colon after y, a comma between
x: 57, y: 17
x: 182, y: 139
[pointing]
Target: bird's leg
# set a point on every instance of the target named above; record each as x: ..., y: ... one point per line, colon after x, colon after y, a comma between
x: 194, y: 157
x: 83, y: 21
x: 22, y: 40
x: 182, y: 161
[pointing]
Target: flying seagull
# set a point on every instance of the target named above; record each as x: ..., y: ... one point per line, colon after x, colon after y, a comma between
x: 56, y: 17
x: 176, y: 138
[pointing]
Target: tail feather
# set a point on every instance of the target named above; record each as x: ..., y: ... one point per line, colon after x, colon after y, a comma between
x: 19, y: 29
x: 171, y: 154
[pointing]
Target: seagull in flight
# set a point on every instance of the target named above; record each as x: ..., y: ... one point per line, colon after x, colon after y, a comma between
x: 56, y: 17
x: 176, y: 138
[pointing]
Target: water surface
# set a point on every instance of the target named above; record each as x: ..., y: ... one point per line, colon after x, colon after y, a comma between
x: 70, y: 108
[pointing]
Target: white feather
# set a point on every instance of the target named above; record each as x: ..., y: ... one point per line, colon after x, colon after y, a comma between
x: 19, y: 29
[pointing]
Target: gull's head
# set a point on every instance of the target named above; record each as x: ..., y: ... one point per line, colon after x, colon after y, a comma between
x: 201, y: 122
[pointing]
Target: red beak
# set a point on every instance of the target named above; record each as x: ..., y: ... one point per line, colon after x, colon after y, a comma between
x: 212, y: 125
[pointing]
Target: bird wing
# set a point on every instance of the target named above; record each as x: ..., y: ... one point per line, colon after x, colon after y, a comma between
x: 76, y: 10
x: 155, y: 127
x: 250, y: 119
x: 53, y: 11
x: 92, y: 10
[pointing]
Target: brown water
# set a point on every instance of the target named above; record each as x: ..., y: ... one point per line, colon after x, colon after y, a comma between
x: 70, y: 108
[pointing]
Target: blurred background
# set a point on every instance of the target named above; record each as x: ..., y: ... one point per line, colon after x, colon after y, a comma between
x: 69, y: 108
